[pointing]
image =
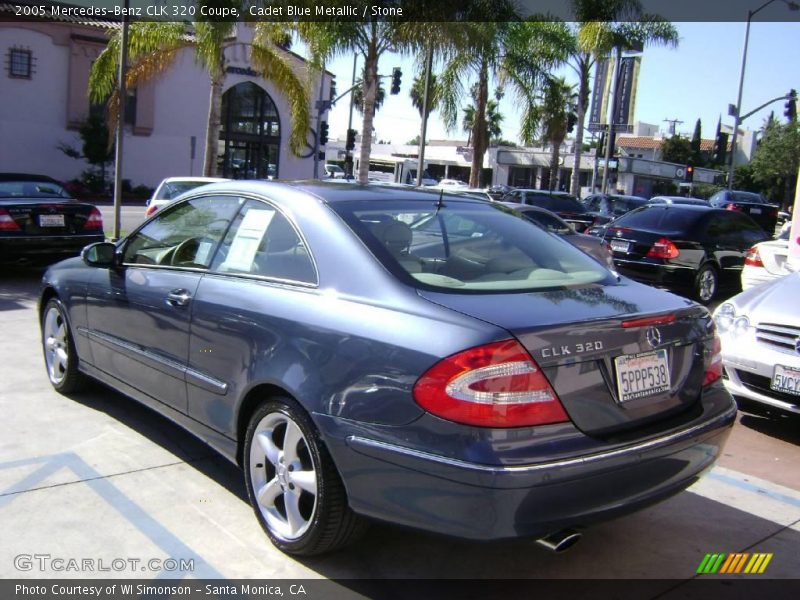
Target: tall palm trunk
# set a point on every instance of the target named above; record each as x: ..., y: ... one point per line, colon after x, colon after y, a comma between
x: 214, y: 120
x: 554, y: 163
x: 370, y: 94
x: 583, y: 104
x: 479, y: 128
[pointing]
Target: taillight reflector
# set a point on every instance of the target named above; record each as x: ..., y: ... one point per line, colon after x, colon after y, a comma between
x: 753, y: 258
x: 95, y: 220
x: 150, y: 210
x: 495, y: 385
x: 6, y: 222
x: 664, y: 248
x: 732, y: 206
x: 713, y: 361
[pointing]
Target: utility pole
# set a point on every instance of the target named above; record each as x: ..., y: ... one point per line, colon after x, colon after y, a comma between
x: 320, y: 111
x: 348, y: 157
x: 672, y: 124
x: 123, y: 98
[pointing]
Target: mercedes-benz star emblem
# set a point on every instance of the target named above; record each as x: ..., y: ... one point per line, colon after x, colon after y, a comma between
x: 653, y: 336
x: 797, y: 345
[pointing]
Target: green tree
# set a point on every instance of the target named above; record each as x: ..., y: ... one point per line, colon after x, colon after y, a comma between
x: 676, y: 149
x: 549, y: 118
x: 776, y: 161
x: 154, y: 47
x: 417, y: 93
x: 358, y: 96
x: 696, y: 144
x: 494, y: 120
x: 95, y: 148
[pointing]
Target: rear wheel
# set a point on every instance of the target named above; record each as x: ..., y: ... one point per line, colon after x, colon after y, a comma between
x: 706, y: 284
x: 293, y: 485
x: 60, y: 356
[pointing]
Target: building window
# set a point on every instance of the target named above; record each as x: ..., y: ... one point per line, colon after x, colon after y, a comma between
x: 20, y: 63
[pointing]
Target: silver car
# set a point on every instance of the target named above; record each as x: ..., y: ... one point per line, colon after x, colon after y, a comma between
x: 760, y: 333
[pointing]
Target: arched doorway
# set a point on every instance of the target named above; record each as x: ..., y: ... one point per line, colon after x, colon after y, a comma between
x: 250, y: 137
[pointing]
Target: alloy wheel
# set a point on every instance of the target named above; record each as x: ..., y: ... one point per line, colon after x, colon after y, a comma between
x: 56, y: 345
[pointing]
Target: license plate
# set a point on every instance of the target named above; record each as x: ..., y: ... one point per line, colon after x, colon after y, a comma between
x: 51, y: 220
x: 755, y: 211
x: 642, y: 375
x: 786, y: 380
x: 620, y: 246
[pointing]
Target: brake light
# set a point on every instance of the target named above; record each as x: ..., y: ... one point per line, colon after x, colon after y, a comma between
x: 732, y: 206
x: 753, y: 258
x: 664, y: 248
x: 713, y: 361
x: 6, y: 222
x: 648, y: 321
x: 95, y: 220
x: 150, y: 210
x: 495, y: 385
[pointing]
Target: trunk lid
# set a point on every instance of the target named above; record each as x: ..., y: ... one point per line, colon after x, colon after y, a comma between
x: 48, y: 216
x: 586, y: 339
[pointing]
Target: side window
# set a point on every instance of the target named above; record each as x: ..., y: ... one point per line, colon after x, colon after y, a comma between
x: 186, y: 235
x: 263, y: 242
x: 747, y: 230
x: 593, y: 203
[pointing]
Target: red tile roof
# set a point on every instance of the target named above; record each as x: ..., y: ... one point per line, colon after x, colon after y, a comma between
x: 649, y: 143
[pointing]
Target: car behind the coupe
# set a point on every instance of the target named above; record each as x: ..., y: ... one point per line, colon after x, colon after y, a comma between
x: 476, y: 377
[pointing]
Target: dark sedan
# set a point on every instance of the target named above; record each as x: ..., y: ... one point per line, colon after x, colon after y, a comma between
x: 551, y: 222
x: 40, y: 222
x: 476, y: 377
x: 607, y: 207
x: 749, y: 203
x: 564, y: 205
x: 694, y: 250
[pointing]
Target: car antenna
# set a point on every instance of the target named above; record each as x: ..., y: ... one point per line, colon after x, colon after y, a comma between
x: 440, y: 202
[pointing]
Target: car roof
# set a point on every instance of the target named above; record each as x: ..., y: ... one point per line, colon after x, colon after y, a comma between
x: 197, y: 178
x: 27, y: 177
x: 687, y: 199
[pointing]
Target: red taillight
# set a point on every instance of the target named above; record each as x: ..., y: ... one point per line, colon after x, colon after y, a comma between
x: 648, y: 321
x: 713, y: 361
x: 496, y: 385
x: 664, y: 248
x: 753, y: 258
x: 95, y: 220
x: 150, y: 210
x: 6, y: 222
x: 732, y: 206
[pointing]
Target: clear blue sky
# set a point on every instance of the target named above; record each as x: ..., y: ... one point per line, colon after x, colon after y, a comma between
x: 698, y: 79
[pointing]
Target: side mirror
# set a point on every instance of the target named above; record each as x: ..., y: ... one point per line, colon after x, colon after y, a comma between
x: 101, y: 254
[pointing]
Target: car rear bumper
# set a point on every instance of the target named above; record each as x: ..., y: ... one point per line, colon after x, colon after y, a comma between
x: 16, y: 249
x: 390, y: 482
x: 670, y: 277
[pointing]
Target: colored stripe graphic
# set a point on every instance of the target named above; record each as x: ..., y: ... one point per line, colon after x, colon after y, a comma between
x: 723, y: 563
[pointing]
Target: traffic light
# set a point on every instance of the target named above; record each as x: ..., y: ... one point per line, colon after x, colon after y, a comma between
x: 688, y: 173
x: 396, y: 75
x: 351, y: 140
x: 333, y: 90
x: 791, y: 106
x: 572, y: 119
x: 323, y: 133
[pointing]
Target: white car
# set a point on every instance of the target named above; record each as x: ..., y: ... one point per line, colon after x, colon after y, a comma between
x: 760, y: 334
x: 172, y: 187
x: 766, y: 261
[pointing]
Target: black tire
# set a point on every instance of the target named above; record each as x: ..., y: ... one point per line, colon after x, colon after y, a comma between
x: 706, y: 284
x: 330, y: 524
x: 60, y: 356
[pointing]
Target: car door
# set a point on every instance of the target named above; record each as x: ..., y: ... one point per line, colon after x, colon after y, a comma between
x: 261, y: 284
x: 138, y: 313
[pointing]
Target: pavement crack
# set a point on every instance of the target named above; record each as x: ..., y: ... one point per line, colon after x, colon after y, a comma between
x: 87, y: 479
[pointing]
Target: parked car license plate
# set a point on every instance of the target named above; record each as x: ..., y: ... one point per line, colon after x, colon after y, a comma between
x: 51, y: 220
x: 755, y: 211
x: 786, y: 380
x: 642, y: 375
x: 620, y: 246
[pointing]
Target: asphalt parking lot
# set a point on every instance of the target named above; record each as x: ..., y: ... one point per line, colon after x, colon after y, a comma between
x: 97, y: 476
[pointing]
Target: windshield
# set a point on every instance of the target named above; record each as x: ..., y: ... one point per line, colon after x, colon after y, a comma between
x: 173, y: 189
x: 32, y: 189
x: 468, y: 247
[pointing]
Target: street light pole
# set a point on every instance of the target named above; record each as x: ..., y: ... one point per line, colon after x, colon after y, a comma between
x: 737, y: 120
x: 123, y: 98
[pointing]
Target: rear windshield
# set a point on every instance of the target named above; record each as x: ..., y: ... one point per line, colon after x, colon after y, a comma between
x: 173, y: 189
x: 555, y: 203
x: 747, y: 197
x: 623, y: 205
x: 32, y: 189
x: 468, y: 247
x: 659, y: 218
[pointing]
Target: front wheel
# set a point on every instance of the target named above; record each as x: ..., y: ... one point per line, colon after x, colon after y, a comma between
x: 293, y: 485
x: 705, y: 284
x: 60, y: 356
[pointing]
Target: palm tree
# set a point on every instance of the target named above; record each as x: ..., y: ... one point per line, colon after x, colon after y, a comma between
x: 550, y: 117
x: 417, y: 93
x: 358, y: 96
x: 493, y: 121
x: 154, y: 47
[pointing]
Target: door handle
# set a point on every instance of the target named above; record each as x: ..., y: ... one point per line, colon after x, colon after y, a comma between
x: 179, y: 298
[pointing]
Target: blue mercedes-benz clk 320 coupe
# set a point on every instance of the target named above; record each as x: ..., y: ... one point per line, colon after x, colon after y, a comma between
x: 368, y: 352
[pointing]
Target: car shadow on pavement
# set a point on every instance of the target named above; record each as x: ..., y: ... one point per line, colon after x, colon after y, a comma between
x: 774, y: 423
x: 19, y: 286
x: 165, y: 433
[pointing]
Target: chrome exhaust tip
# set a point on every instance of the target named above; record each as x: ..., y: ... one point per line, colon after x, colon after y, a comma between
x: 560, y: 541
